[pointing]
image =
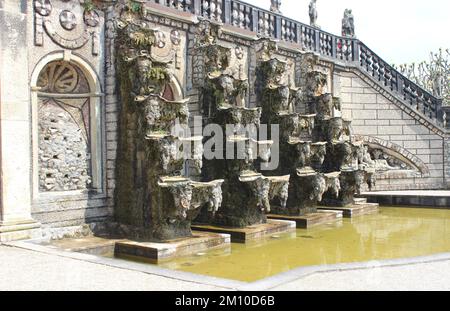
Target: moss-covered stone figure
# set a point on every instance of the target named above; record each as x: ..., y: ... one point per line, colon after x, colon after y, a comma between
x: 316, y: 147
x: 247, y: 194
x: 153, y: 197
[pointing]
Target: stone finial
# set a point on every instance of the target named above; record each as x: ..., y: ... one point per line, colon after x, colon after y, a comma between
x: 275, y: 6
x: 313, y: 13
x: 348, y: 24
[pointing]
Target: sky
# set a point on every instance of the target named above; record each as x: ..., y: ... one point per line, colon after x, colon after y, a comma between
x: 399, y: 31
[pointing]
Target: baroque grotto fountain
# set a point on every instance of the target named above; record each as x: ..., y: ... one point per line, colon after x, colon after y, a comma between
x: 327, y: 167
x: 235, y: 195
x: 157, y: 202
x: 246, y: 191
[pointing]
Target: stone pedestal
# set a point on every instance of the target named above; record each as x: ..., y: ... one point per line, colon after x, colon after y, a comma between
x: 158, y: 252
x: 355, y: 210
x: 250, y: 233
x: 310, y: 220
x: 19, y: 230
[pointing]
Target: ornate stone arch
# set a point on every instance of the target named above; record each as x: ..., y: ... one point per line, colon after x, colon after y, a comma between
x: 397, y: 152
x: 173, y: 90
x: 72, y: 92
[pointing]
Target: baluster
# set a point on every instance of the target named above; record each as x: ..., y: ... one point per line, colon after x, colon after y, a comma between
x: 293, y: 32
x: 406, y: 92
x: 394, y: 81
x: 187, y: 5
x: 247, y: 14
x: 380, y: 72
x: 241, y: 17
x: 329, y: 45
x: 349, y: 50
x: 414, y: 98
x: 311, y: 39
x: 219, y: 10
x: 272, y: 25
x: 283, y: 29
x: 339, y: 48
x: 387, y: 76
x: 205, y: 8
x: 235, y: 14
x: 263, y: 23
x: 374, y: 66
x: 345, y: 49
x: 321, y: 43
x: 370, y: 62
x: 212, y: 9
x: 333, y: 47
x: 362, y: 58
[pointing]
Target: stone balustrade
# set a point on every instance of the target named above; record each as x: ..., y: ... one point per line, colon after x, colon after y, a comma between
x: 350, y: 51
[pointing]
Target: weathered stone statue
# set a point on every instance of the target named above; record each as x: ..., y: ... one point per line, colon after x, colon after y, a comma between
x: 275, y: 6
x: 313, y: 13
x: 246, y: 192
x: 153, y: 198
x: 348, y: 24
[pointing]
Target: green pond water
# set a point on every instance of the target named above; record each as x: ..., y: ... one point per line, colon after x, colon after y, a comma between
x: 393, y: 233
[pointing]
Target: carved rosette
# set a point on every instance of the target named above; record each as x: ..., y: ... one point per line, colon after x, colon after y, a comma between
x: 68, y: 26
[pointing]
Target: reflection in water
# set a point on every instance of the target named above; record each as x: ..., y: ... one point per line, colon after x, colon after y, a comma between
x: 394, y: 233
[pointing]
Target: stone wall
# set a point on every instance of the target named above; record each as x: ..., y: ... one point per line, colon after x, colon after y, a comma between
x: 377, y: 114
x: 447, y: 161
x: 35, y: 36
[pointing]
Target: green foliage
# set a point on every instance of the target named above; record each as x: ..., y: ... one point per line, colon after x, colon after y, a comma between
x: 134, y: 6
x: 433, y: 75
x: 158, y: 74
x: 143, y: 39
x: 89, y: 6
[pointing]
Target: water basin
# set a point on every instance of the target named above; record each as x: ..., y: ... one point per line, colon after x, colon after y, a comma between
x: 391, y: 234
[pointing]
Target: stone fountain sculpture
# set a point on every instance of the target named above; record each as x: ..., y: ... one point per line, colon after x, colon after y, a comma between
x: 246, y: 192
x: 153, y: 196
x: 300, y: 156
x: 316, y: 149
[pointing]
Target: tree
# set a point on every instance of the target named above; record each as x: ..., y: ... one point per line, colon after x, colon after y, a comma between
x: 433, y: 75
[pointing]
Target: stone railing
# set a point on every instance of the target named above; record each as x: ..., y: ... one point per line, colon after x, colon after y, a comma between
x: 350, y: 51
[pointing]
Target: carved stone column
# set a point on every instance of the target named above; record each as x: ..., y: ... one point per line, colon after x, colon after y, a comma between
x: 15, y: 156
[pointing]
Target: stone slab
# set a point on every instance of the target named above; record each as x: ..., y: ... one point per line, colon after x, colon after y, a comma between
x: 311, y: 220
x: 251, y: 233
x: 355, y: 210
x: 87, y: 245
x: 425, y: 199
x: 159, y: 252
